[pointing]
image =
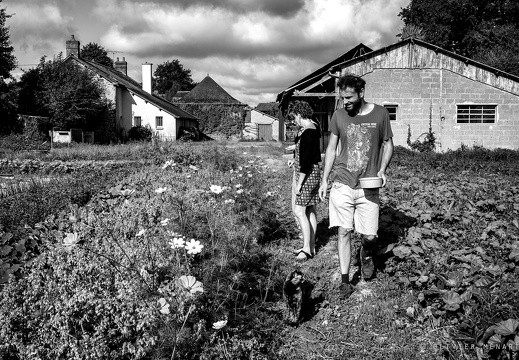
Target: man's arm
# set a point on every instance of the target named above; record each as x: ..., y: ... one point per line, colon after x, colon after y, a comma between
x: 387, y: 154
x: 329, y: 159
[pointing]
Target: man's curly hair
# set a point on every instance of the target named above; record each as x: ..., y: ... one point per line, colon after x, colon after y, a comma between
x: 299, y: 107
x: 352, y: 81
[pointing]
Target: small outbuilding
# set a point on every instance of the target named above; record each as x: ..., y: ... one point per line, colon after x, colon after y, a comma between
x: 261, y: 126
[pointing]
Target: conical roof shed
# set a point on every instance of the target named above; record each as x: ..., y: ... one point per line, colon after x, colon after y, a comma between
x: 208, y: 91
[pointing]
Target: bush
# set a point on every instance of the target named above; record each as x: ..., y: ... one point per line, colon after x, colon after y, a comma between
x: 140, y: 133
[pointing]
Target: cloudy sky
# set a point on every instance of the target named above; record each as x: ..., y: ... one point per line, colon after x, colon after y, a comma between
x: 253, y: 48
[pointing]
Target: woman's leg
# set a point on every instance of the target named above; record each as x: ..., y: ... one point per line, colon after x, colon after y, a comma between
x: 294, y: 203
x: 300, y: 212
x: 312, y: 218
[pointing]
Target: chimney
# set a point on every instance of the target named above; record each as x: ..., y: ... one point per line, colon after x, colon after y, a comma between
x: 72, y: 47
x: 146, y: 77
x: 121, y: 66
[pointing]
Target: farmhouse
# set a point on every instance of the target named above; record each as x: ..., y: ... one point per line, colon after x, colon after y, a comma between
x: 219, y: 112
x: 134, y: 104
x: 465, y: 102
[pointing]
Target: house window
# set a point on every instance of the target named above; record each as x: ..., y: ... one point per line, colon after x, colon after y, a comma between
x: 158, y: 121
x: 137, y: 121
x: 392, y: 110
x: 476, y: 114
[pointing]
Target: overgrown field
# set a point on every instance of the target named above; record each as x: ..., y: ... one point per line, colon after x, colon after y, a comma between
x: 180, y: 251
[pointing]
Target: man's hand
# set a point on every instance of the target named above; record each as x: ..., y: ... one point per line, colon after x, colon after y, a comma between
x: 322, y: 190
x: 382, y: 175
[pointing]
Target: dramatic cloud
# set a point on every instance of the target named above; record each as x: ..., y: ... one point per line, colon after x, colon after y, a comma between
x: 253, y: 48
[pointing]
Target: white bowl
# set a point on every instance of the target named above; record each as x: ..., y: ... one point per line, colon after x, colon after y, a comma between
x: 370, y: 182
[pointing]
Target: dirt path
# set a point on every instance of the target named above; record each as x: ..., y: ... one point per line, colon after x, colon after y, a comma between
x: 370, y: 324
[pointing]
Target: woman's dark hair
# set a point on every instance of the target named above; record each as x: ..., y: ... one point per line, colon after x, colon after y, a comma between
x: 351, y: 81
x: 299, y: 107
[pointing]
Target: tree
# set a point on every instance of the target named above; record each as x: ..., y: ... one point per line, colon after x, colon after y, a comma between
x: 7, y: 64
x: 73, y: 97
x: 95, y: 52
x: 7, y: 59
x: 31, y: 100
x: 171, y: 77
x: 486, y: 31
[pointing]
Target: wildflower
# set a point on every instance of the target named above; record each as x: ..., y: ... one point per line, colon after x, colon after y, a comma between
x: 160, y: 190
x: 239, y: 191
x: 164, y: 222
x: 229, y: 201
x: 251, y: 161
x: 237, y: 186
x: 141, y: 232
x: 191, y: 284
x: 164, y: 306
x: 70, y: 240
x: 240, y: 168
x: 144, y: 273
x: 127, y: 192
x: 194, y: 247
x: 177, y: 242
x: 219, y: 324
x: 249, y: 175
x: 169, y: 163
x: 270, y: 193
x: 193, y: 167
x: 244, y: 153
x: 216, y: 189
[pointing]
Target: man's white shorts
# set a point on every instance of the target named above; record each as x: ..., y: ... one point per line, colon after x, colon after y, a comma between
x: 354, y: 208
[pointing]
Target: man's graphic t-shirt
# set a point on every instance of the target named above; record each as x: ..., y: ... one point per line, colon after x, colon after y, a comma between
x: 361, y: 138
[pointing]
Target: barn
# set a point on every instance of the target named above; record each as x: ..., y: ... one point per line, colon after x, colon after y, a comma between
x: 464, y: 102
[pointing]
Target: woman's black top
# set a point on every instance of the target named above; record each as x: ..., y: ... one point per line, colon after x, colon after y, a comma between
x: 309, y: 149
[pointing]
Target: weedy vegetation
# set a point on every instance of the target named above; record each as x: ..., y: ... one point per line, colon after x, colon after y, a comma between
x: 180, y: 251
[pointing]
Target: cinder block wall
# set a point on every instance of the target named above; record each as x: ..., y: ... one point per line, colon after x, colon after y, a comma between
x: 421, y: 92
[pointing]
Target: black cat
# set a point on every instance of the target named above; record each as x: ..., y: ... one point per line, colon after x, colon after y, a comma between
x: 296, y: 291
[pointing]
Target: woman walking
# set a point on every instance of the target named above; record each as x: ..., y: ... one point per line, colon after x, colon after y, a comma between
x: 307, y: 175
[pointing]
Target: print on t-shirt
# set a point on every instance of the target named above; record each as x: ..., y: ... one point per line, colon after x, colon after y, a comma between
x: 359, y: 143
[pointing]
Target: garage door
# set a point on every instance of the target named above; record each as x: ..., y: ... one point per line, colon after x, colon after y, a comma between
x: 264, y: 132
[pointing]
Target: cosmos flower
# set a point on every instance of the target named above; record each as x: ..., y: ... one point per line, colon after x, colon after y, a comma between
x: 216, y: 189
x: 229, y: 201
x: 168, y: 163
x: 194, y: 247
x: 191, y: 284
x: 70, y: 240
x: 160, y: 190
x: 141, y: 232
x: 219, y: 324
x: 239, y: 191
x: 177, y: 242
x: 164, y: 306
x: 164, y: 222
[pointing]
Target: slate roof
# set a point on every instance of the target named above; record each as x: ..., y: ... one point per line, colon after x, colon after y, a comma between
x: 267, y: 107
x: 208, y: 91
x: 119, y: 79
